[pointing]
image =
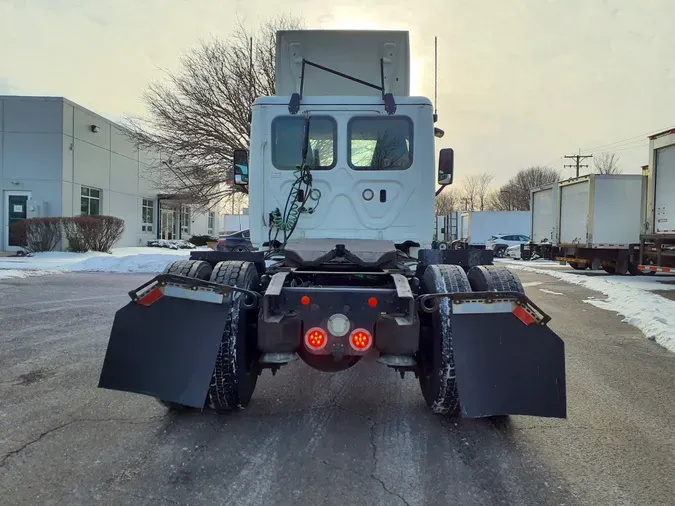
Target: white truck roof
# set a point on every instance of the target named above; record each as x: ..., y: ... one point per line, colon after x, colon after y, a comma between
x: 353, y: 52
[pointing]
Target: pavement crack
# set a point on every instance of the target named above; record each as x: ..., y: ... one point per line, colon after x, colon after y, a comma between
x: 355, y: 413
x: 376, y: 461
x: 45, y: 433
x: 21, y: 448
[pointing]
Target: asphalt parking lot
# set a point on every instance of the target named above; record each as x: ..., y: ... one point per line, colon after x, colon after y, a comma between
x: 362, y: 436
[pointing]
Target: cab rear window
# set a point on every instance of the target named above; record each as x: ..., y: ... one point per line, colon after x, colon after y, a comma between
x: 287, y: 137
x: 380, y: 143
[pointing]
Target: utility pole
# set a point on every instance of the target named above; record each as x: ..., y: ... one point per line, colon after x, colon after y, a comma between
x: 578, y: 159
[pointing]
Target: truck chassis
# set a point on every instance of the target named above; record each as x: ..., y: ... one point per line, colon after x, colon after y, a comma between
x: 200, y: 334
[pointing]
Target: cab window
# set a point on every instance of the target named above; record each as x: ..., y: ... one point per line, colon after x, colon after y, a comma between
x: 380, y: 143
x: 287, y: 136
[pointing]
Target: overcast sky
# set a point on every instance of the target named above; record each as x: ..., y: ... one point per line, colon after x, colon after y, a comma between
x: 521, y: 82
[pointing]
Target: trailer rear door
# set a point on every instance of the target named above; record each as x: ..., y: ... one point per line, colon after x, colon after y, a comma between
x: 664, y: 204
x: 574, y: 212
x: 542, y: 215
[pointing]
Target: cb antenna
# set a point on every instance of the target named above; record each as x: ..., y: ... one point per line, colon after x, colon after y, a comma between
x: 435, y: 79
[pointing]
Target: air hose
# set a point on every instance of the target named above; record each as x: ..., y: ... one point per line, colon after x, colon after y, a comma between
x: 287, y: 221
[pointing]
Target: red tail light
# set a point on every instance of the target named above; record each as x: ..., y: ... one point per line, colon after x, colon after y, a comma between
x: 315, y: 338
x: 360, y: 340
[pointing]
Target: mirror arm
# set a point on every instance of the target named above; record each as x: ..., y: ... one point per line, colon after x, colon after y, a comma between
x: 440, y: 190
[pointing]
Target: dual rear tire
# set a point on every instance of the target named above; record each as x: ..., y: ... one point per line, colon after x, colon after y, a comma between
x: 435, y: 356
x: 236, y: 370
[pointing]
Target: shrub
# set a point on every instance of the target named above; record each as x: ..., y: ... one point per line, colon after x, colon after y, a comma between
x: 96, y: 233
x: 42, y: 234
x: 36, y: 234
x: 17, y: 233
x: 201, y: 240
x: 71, y: 230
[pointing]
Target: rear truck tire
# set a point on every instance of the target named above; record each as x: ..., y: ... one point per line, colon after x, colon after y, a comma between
x: 609, y: 269
x: 493, y: 278
x: 435, y: 354
x: 237, y: 365
x: 196, y: 269
x: 442, y: 245
x: 578, y: 266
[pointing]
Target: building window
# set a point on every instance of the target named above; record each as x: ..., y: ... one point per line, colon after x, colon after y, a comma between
x: 211, y: 224
x: 148, y: 215
x: 185, y: 219
x: 90, y: 201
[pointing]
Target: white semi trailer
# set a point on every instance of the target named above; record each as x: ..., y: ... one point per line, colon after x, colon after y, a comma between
x: 543, y: 222
x: 600, y: 218
x: 478, y: 226
x: 656, y: 252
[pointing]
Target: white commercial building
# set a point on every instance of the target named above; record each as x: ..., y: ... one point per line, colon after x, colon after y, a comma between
x: 60, y: 159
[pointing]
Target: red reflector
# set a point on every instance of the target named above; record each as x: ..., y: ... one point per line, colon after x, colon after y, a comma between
x: 315, y: 338
x: 372, y: 302
x: 523, y: 315
x: 151, y: 297
x: 360, y: 339
x: 305, y: 300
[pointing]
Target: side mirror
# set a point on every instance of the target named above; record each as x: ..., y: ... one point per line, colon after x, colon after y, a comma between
x: 446, y: 166
x: 240, y: 166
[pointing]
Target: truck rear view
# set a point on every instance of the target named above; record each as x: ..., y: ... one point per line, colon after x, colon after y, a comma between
x: 341, y: 189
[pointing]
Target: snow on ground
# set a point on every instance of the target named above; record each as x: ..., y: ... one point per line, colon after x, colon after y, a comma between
x: 630, y: 297
x: 23, y: 273
x: 550, y: 291
x: 138, y: 260
x: 549, y: 264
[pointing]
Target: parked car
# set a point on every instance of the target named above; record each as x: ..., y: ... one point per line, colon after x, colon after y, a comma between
x: 514, y: 251
x: 237, y: 242
x: 498, y: 243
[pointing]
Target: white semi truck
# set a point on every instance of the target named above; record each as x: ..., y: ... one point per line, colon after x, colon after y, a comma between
x: 341, y: 180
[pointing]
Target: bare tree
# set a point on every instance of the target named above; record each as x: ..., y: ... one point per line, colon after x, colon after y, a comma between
x: 201, y: 113
x: 515, y: 194
x: 502, y: 199
x: 475, y: 190
x: 469, y: 195
x: 446, y: 202
x: 606, y: 163
x: 483, y: 189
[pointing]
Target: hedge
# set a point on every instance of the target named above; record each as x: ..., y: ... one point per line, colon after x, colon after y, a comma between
x: 84, y: 233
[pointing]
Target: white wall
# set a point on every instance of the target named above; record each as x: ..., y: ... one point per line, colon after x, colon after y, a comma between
x: 30, y: 153
x: 105, y: 160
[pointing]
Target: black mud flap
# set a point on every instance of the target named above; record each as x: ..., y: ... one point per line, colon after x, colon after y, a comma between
x: 165, y: 350
x: 507, y: 361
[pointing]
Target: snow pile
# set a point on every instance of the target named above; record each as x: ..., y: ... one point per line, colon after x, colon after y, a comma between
x: 652, y: 314
x: 14, y: 273
x: 171, y: 244
x: 128, y: 263
x: 127, y: 260
x: 550, y: 264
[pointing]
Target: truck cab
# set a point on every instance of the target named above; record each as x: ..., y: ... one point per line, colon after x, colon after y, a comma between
x: 373, y: 174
